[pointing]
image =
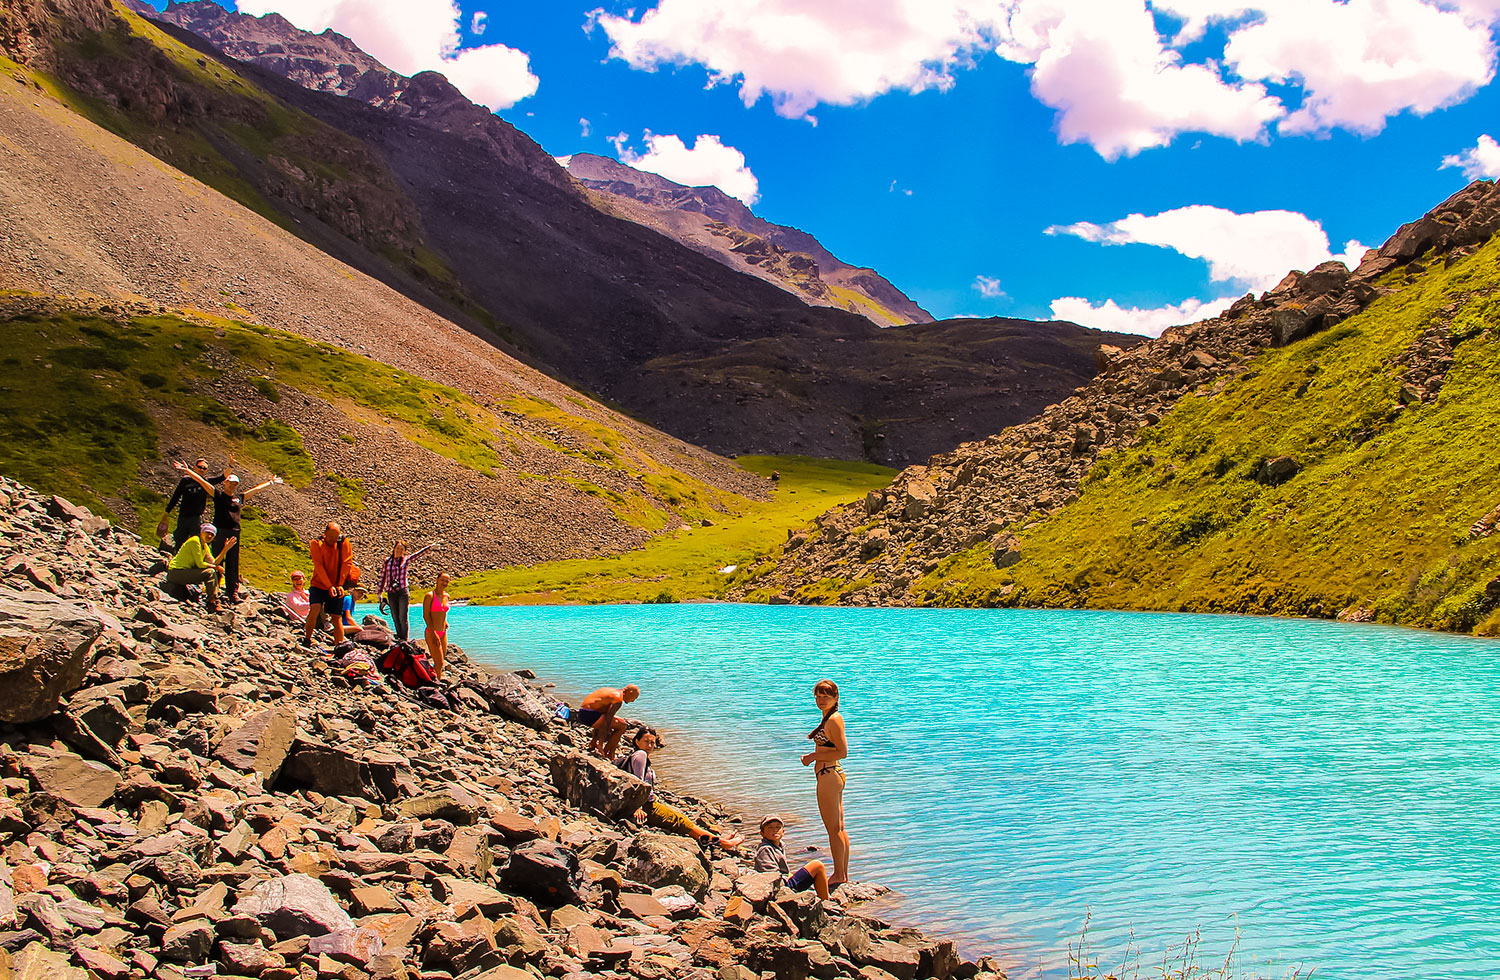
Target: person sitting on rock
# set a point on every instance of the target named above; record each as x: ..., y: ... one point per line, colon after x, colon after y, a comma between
x: 598, y: 711
x: 769, y: 856
x: 663, y: 815
x: 196, y: 564
x: 296, y: 602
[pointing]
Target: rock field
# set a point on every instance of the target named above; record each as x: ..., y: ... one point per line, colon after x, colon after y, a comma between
x: 185, y: 795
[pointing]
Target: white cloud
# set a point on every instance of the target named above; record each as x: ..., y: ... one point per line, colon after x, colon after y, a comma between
x: 1359, y: 62
x: 1250, y: 251
x: 835, y: 52
x: 1112, y: 69
x: 989, y: 287
x: 1480, y: 160
x: 1254, y: 250
x: 1151, y: 321
x: 708, y: 162
x: 411, y: 36
x: 1116, y: 84
x: 479, y: 23
x: 583, y: 126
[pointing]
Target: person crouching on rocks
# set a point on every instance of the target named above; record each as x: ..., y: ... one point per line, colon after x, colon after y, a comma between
x: 663, y: 815
x: 769, y: 856
x: 598, y: 711
x: 332, y: 559
x: 297, y: 602
x: 435, y: 606
x: 196, y: 564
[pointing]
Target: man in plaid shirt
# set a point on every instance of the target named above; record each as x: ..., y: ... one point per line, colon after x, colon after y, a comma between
x: 393, y: 587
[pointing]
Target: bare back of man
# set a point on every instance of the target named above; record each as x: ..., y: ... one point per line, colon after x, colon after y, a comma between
x: 600, y: 711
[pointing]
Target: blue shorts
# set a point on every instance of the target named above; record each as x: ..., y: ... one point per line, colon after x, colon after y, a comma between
x: 801, y: 881
x: 588, y: 716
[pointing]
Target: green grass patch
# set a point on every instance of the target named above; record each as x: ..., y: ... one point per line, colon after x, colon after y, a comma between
x: 684, y: 565
x: 351, y: 490
x: 1377, y: 516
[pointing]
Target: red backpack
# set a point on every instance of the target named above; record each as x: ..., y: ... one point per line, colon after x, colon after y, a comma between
x: 406, y: 662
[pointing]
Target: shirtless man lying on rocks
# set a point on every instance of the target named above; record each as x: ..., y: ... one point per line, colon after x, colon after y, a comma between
x: 599, y: 711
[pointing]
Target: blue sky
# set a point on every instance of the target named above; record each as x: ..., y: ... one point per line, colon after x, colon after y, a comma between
x: 896, y: 134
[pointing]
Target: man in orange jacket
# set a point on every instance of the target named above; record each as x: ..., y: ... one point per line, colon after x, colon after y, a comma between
x: 333, y: 561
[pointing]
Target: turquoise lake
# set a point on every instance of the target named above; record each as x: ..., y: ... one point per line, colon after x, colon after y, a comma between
x: 1330, y: 793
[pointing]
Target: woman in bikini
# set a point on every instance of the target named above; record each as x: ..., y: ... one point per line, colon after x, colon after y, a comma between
x: 435, y: 606
x: 830, y: 747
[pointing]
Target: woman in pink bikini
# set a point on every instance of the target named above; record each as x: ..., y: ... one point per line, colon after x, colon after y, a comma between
x: 435, y: 606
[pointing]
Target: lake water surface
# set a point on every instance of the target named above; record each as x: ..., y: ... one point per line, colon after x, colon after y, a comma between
x: 1330, y: 791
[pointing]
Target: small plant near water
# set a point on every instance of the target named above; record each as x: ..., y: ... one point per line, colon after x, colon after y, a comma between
x: 1181, y: 961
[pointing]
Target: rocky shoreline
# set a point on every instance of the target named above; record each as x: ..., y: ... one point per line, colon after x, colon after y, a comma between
x: 185, y: 795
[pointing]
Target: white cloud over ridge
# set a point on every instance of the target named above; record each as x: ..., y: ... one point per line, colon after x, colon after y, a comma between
x: 1112, y: 70
x: 1480, y: 160
x: 1253, y: 250
x: 1150, y: 322
x: 411, y: 36
x: 989, y: 287
x: 1250, y: 251
x: 707, y: 162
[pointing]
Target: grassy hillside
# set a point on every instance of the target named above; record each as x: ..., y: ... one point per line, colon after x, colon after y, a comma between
x: 1374, y: 524
x: 685, y: 563
x: 86, y: 399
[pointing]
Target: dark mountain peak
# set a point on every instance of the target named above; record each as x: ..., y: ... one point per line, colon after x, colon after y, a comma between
x: 722, y: 227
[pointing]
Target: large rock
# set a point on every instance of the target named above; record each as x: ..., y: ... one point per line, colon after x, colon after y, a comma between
x: 920, y: 495
x: 37, y: 962
x: 591, y: 784
x: 188, y: 942
x: 261, y: 744
x: 95, y: 727
x: 46, y: 644
x: 66, y: 776
x: 452, y: 804
x: 658, y: 860
x: 546, y: 871
x: 509, y: 695
x: 326, y: 769
x: 294, y: 905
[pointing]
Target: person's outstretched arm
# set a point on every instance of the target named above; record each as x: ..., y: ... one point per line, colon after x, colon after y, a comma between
x: 189, y: 472
x: 422, y: 550
x: 257, y: 489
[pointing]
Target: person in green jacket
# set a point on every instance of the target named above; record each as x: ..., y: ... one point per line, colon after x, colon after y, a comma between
x: 196, y: 564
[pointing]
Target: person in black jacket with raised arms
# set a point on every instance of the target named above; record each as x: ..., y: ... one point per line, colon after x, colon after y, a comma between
x: 228, y: 501
x: 189, y: 500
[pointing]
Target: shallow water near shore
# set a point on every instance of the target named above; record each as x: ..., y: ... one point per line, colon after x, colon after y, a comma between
x: 1330, y: 791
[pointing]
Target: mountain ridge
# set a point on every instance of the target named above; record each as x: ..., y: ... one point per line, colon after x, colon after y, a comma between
x: 710, y: 221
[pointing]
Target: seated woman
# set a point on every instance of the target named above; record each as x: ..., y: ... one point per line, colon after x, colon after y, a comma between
x: 663, y: 815
x: 196, y: 564
x: 770, y: 857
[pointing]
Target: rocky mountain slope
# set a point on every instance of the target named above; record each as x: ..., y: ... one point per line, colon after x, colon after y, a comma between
x: 512, y: 465
x: 189, y: 796
x: 1314, y: 451
x: 411, y: 190
x: 709, y: 221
